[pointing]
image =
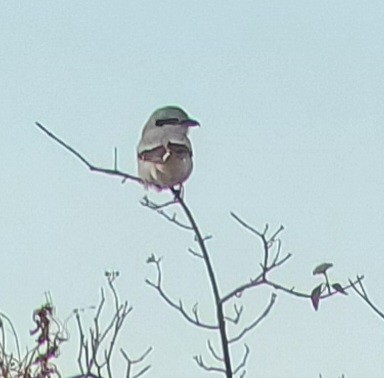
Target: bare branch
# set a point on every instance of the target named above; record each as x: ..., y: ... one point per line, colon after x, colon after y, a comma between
x: 146, y: 202
x: 266, y: 268
x: 82, y: 345
x: 194, y: 253
x: 255, y: 322
x: 201, y: 363
x: 174, y: 220
x: 142, y: 371
x: 248, y: 227
x: 179, y: 307
x: 272, y: 239
x: 13, y: 331
x: 95, y: 354
x: 131, y: 362
x: 358, y: 287
x: 277, y: 255
x: 213, y: 352
x: 238, y: 311
x: 115, y: 159
x: 113, y: 172
x: 243, y: 362
x: 296, y: 293
x: 240, y: 289
x: 267, y: 243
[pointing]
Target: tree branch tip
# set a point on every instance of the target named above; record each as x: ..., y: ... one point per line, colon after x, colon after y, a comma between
x: 41, y: 126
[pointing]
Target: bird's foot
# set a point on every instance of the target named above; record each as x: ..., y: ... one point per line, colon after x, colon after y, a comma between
x: 178, y: 192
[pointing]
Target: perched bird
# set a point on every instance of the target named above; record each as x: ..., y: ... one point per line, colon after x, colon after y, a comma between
x: 164, y: 153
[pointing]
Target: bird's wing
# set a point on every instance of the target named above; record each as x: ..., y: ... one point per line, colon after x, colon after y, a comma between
x: 155, y: 155
x: 181, y: 150
x: 160, y: 154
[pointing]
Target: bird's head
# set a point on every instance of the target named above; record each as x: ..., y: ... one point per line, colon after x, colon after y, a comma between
x: 172, y: 116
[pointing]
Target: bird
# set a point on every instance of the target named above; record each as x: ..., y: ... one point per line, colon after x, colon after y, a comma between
x: 164, y: 152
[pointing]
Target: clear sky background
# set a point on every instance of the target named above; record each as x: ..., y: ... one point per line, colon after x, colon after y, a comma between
x: 290, y: 98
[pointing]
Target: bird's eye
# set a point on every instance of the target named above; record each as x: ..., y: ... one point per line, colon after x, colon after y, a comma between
x: 168, y: 121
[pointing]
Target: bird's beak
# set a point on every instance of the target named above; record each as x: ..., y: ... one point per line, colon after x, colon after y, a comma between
x: 190, y: 123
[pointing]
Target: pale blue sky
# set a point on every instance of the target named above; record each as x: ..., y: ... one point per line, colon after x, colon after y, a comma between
x: 290, y: 98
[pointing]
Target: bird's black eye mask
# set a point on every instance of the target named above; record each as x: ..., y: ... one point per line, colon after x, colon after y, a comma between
x: 176, y: 121
x: 168, y: 121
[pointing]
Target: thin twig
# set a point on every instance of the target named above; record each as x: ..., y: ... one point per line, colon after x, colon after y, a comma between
x: 179, y: 307
x: 244, y: 360
x: 146, y: 202
x: 201, y: 363
x: 113, y: 172
x: 14, y: 333
x: 238, y: 312
x: 131, y: 362
x: 255, y: 322
x: 247, y: 226
x: 364, y: 295
x: 194, y: 253
x: 213, y: 352
x: 82, y: 346
x: 92, y: 359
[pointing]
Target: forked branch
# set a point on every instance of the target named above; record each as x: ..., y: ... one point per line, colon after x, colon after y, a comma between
x: 97, y: 349
x: 272, y: 245
x: 112, y: 172
x: 360, y: 290
x: 195, y: 320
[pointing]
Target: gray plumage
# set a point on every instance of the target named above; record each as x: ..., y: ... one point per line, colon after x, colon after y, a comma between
x: 164, y: 151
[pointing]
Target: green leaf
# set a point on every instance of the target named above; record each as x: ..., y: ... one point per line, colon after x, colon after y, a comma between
x: 315, y: 296
x: 339, y: 288
x: 322, y: 268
